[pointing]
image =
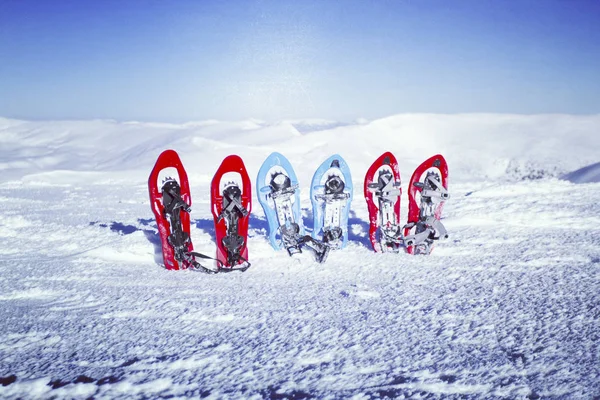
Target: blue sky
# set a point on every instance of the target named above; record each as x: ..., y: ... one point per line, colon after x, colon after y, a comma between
x: 274, y: 59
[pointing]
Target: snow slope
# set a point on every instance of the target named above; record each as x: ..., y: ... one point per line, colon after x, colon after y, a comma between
x: 508, y: 307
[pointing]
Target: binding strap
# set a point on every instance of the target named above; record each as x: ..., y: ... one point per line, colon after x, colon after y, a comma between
x: 293, y: 242
x: 233, y: 242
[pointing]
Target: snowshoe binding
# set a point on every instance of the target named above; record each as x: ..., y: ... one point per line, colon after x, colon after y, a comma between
x: 331, y: 195
x: 427, y: 193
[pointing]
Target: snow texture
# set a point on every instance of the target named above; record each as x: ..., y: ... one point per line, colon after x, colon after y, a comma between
x: 507, y: 307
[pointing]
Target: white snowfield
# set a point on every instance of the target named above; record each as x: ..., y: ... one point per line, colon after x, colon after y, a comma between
x: 507, y: 307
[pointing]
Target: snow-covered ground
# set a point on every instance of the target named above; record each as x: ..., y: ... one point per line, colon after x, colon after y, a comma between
x: 507, y: 307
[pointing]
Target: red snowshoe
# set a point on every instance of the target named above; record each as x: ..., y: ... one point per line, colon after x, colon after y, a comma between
x: 177, y: 201
x: 231, y: 203
x: 171, y: 207
x: 382, y: 192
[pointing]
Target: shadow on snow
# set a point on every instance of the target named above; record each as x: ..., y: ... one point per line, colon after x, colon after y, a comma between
x: 358, y: 229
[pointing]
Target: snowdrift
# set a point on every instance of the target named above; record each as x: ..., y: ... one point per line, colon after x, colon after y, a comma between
x: 588, y: 174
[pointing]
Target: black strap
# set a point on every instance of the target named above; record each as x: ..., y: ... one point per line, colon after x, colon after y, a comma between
x: 233, y: 242
x: 320, y: 249
x: 232, y: 201
x: 243, y: 266
x: 332, y: 234
x: 294, y: 243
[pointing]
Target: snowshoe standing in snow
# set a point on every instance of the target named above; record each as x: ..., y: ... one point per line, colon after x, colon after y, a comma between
x: 231, y: 203
x: 382, y: 193
x: 279, y: 195
x: 331, y: 194
x: 427, y: 193
x: 171, y: 207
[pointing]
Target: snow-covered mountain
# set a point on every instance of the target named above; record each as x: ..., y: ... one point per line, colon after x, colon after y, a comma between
x: 507, y: 307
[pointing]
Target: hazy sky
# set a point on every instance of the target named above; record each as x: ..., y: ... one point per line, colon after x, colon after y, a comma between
x: 272, y: 59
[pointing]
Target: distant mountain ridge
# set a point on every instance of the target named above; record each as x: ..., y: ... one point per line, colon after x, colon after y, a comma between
x: 477, y: 146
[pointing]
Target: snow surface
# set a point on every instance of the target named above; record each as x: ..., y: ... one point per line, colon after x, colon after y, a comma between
x: 507, y: 307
